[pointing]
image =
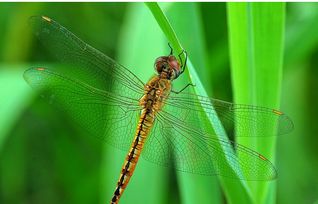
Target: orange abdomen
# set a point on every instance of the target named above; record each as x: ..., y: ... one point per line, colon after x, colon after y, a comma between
x: 155, y: 93
x: 143, y: 129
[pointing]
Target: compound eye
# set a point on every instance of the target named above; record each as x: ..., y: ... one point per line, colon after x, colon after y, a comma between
x: 158, y: 67
x: 174, y: 64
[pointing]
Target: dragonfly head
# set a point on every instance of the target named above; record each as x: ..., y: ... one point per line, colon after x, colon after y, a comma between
x: 169, y: 66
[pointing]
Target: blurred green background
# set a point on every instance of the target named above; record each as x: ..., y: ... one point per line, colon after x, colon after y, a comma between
x: 45, y: 158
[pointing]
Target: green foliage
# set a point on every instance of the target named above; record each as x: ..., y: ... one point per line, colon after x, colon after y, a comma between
x: 256, y: 44
x: 236, y: 49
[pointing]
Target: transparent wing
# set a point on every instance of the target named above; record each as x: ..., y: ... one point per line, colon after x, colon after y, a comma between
x: 110, y: 117
x: 239, y: 119
x: 189, y: 150
x: 97, y: 92
x: 183, y: 137
x: 84, y: 62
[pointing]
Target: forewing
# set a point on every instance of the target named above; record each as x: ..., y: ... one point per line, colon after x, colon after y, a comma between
x: 238, y: 119
x: 84, y: 62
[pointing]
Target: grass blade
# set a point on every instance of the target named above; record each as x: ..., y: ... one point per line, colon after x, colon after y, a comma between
x: 182, y: 15
x: 256, y: 47
x: 227, y: 184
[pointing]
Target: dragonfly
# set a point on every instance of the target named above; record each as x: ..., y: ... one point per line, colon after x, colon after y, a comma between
x: 167, y: 127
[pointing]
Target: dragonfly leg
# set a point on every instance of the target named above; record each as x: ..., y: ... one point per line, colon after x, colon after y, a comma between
x: 171, y: 50
x: 183, y: 66
x: 177, y: 92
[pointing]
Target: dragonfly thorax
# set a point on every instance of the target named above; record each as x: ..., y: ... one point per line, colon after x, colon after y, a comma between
x: 167, y: 67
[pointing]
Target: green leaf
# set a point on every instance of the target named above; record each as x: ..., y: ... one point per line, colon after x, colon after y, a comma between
x: 227, y: 184
x: 165, y: 26
x: 256, y: 33
x: 181, y: 16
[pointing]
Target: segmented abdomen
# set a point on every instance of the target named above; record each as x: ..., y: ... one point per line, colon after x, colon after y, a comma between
x: 144, y: 126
